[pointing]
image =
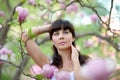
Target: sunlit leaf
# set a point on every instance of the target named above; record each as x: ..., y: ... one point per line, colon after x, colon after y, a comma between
x: 40, y: 77
x: 31, y: 35
x: 23, y: 0
x: 85, y: 2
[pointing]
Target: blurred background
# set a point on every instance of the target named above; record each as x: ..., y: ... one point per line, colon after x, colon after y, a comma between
x: 97, y: 25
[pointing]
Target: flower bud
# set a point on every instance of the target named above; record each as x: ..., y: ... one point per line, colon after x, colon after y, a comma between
x: 22, y: 14
x: 32, y: 2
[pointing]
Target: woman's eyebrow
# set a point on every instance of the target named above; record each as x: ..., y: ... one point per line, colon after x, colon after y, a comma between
x: 56, y: 30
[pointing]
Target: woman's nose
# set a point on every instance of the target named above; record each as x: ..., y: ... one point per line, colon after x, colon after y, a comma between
x: 61, y: 36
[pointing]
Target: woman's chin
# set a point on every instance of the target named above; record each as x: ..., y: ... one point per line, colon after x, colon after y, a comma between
x: 63, y: 47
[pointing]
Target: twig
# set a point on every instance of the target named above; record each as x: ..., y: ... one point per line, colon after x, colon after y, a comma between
x: 9, y: 63
x: 93, y: 8
x: 110, y: 14
x: 99, y: 36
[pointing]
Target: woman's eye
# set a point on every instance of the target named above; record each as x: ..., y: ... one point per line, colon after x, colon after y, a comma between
x: 65, y: 32
x: 55, y: 33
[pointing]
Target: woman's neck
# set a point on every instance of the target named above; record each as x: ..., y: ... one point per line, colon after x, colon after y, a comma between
x: 65, y: 54
x: 66, y: 58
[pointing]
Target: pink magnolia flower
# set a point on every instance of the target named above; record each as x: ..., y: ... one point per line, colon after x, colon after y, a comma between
x: 6, y: 54
x: 62, y: 6
x: 22, y: 14
x: 98, y: 69
x: 62, y: 75
x: 89, y: 43
x: 72, y: 8
x: 32, y: 2
x: 1, y: 13
x: 5, y: 51
x: 48, y: 1
x: 48, y: 70
x: 35, y: 69
x: 94, y: 17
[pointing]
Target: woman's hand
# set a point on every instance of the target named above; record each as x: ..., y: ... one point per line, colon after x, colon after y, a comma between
x: 75, y: 54
x: 24, y: 36
x: 76, y: 63
x: 36, y: 31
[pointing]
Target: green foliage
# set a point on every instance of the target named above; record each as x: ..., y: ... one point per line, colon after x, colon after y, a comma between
x: 31, y: 35
x: 117, y: 58
x: 40, y: 77
x: 6, y: 77
x: 44, y: 13
x: 23, y: 0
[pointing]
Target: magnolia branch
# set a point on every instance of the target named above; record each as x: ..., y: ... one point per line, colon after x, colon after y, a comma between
x: 1, y: 60
x: 19, y: 67
x: 93, y: 8
x: 110, y: 14
x: 52, y: 12
x: 3, y: 31
x: 79, y: 35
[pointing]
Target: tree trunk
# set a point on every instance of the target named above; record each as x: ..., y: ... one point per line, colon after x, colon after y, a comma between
x: 20, y: 70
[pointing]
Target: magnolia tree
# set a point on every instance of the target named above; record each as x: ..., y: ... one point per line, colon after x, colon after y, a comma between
x: 97, y: 25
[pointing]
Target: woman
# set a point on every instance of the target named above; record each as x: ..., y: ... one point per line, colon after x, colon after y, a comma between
x: 65, y: 54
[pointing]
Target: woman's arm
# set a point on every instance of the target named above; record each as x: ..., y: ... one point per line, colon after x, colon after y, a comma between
x: 32, y: 48
x: 77, y: 67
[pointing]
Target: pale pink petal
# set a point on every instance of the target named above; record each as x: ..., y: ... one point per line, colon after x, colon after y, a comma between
x: 2, y: 13
x: 94, y: 17
x: 35, y: 69
x: 22, y: 13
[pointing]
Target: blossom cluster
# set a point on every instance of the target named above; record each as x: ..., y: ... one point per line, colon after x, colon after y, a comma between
x: 50, y: 72
x: 98, y: 69
x: 95, y: 69
x: 6, y: 54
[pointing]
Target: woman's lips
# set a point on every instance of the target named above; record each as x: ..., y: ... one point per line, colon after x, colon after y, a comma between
x: 62, y: 43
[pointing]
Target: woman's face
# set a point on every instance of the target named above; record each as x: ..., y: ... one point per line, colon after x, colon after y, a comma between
x: 62, y: 39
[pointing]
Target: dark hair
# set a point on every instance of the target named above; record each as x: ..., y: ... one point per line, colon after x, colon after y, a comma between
x: 63, y: 25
